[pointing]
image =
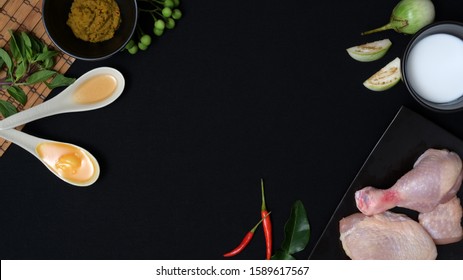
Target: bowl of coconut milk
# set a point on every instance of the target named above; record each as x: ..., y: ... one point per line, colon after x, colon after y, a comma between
x: 432, y: 66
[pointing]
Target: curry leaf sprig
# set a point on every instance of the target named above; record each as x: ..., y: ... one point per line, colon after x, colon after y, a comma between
x: 164, y: 14
x: 28, y: 62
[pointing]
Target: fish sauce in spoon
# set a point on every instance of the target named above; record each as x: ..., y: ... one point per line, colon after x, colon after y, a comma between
x: 95, y: 89
x: 68, y: 161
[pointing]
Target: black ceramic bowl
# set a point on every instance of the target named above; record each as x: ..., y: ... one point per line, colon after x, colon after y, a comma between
x: 55, y: 14
x: 444, y: 27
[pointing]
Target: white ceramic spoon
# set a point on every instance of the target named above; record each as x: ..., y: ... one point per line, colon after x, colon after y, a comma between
x: 62, y: 164
x: 75, y: 98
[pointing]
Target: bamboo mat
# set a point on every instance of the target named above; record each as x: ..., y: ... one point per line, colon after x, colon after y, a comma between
x: 26, y: 16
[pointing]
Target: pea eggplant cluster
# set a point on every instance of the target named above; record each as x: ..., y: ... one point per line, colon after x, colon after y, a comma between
x: 164, y: 14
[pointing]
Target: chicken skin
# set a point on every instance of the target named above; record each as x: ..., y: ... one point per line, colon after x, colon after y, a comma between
x: 435, y: 179
x: 385, y: 236
x: 444, y: 222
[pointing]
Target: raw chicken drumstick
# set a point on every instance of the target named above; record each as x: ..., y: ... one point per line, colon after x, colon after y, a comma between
x: 385, y: 236
x: 435, y: 178
x: 444, y: 222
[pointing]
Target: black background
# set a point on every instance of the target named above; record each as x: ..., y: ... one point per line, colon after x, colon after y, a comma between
x: 238, y: 91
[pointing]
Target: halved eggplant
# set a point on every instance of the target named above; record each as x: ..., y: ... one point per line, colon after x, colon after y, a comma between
x: 385, y: 78
x: 370, y: 51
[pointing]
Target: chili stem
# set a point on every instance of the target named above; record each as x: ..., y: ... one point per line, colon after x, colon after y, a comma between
x: 267, y: 224
x: 264, y: 206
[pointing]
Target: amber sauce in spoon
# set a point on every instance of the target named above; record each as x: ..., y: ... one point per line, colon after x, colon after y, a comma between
x: 68, y: 160
x: 95, y: 89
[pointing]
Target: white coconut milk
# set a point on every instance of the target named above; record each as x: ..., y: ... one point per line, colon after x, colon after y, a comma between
x: 435, y: 68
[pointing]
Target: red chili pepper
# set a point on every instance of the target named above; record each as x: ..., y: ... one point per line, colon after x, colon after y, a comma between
x: 266, y: 224
x: 247, y: 238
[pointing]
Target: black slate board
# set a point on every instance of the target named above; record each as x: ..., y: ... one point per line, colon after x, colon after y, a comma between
x: 406, y: 138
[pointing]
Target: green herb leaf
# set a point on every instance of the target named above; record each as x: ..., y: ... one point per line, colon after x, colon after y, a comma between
x: 15, y: 47
x: 27, y: 46
x: 44, y: 48
x: 36, y: 45
x: 7, y: 59
x: 297, y: 233
x: 60, y: 81
x: 7, y: 109
x: 45, y: 55
x: 48, y: 63
x: 20, y: 70
x: 297, y: 230
x: 40, y: 76
x: 18, y: 94
x: 26, y: 40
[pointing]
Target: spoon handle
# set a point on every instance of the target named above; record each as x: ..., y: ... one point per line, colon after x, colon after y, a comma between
x: 25, y: 141
x: 53, y: 106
